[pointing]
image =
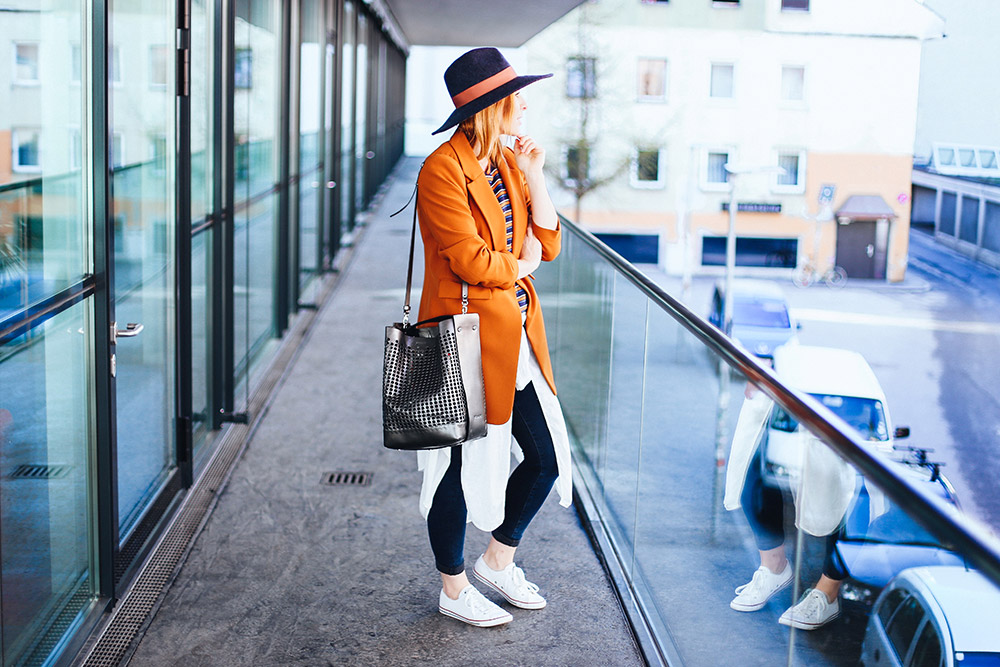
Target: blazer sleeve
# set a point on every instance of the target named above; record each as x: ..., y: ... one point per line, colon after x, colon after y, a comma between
x: 443, y: 207
x: 551, y: 239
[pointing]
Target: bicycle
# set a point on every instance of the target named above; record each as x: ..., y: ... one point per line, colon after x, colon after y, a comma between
x: 806, y: 275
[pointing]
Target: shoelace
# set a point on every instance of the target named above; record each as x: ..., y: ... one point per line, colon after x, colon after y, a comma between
x: 477, y: 602
x: 757, y: 575
x: 518, y: 576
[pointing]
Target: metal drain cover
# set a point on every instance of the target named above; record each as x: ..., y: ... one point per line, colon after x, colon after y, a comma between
x: 348, y: 478
x: 40, y: 471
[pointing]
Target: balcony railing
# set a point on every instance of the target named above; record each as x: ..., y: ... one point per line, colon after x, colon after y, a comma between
x: 652, y: 412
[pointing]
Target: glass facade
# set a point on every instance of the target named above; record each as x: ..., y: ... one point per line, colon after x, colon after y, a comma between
x: 160, y: 213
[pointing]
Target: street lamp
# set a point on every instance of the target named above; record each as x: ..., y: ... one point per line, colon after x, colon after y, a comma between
x: 734, y: 171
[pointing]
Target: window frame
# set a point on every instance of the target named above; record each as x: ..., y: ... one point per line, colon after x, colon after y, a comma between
x: 566, y: 179
x: 800, y: 176
x: 15, y: 150
x: 792, y: 101
x: 703, y: 182
x: 711, y: 79
x: 639, y: 184
x: 15, y: 79
x: 666, y: 80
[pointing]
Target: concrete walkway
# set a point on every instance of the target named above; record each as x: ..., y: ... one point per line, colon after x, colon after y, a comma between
x: 290, y: 571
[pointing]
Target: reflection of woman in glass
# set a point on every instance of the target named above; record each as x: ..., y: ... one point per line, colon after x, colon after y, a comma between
x: 824, y: 492
x: 486, y: 219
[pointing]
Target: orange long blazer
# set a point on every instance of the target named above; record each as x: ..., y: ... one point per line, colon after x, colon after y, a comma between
x: 465, y: 238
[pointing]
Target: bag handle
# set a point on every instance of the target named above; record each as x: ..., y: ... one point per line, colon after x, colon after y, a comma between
x: 409, y: 266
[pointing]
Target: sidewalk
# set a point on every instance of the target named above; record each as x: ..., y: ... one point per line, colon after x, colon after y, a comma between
x: 291, y: 571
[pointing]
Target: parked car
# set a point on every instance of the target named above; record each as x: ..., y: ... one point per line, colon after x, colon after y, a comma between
x: 839, y: 379
x: 873, y: 551
x: 934, y: 616
x: 761, y: 318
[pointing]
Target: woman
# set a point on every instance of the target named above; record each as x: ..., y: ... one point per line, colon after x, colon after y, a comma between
x: 486, y: 219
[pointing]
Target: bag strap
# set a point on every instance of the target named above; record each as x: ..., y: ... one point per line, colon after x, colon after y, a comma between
x: 409, y: 265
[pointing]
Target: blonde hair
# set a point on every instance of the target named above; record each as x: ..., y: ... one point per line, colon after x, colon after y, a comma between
x: 483, y: 130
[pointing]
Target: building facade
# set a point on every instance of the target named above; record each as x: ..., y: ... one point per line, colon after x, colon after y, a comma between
x: 652, y: 100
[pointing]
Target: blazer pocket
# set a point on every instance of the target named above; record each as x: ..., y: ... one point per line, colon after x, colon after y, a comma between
x: 450, y: 290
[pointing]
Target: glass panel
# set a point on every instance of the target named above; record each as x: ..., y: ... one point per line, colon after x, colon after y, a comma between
x: 790, y: 163
x: 202, y: 172
x: 792, y: 83
x: 360, y: 119
x: 142, y: 115
x: 652, y: 79
x: 201, y: 257
x: 969, y: 230
x: 258, y: 39
x: 347, y: 119
x: 722, y: 80
x: 45, y: 443
x: 949, y: 204
x: 311, y: 57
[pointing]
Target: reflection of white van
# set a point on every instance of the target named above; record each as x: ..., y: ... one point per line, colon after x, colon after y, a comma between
x: 839, y: 379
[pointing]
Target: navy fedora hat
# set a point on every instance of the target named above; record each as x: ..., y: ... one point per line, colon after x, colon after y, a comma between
x: 479, y: 78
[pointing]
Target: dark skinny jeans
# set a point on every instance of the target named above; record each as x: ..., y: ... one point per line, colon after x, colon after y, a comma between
x: 764, y: 508
x: 527, y: 488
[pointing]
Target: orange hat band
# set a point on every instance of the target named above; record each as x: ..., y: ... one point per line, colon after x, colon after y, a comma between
x: 484, y: 86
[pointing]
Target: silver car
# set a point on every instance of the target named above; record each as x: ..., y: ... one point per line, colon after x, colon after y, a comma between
x: 942, y: 616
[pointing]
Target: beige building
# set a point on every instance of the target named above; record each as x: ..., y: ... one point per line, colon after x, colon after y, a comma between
x: 651, y: 100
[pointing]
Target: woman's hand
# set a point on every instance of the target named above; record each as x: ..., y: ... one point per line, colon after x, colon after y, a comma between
x: 531, y: 255
x: 529, y: 156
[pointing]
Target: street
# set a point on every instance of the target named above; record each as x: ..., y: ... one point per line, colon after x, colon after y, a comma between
x: 934, y: 343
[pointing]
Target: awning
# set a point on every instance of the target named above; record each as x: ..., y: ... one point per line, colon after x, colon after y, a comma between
x: 865, y: 207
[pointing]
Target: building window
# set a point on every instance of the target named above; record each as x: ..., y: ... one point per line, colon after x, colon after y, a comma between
x: 958, y: 160
x: 652, y: 79
x: 793, y: 78
x: 715, y: 176
x: 795, y: 5
x: 158, y: 54
x: 722, y: 80
x: 580, y: 80
x: 75, y: 149
x: 647, y: 168
x: 117, y: 150
x: 75, y: 67
x: 577, y: 166
x: 115, y: 65
x: 775, y: 253
x: 243, y: 69
x: 26, y: 150
x: 726, y: 3
x: 793, y: 179
x: 26, y: 64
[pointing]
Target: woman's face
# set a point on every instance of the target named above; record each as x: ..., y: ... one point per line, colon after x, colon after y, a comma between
x: 515, y: 121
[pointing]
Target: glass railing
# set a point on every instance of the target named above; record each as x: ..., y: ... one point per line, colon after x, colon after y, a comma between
x: 673, y: 423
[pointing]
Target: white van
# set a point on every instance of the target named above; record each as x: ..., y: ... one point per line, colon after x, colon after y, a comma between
x: 839, y: 379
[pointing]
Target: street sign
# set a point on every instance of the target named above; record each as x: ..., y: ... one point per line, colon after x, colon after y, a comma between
x: 826, y: 193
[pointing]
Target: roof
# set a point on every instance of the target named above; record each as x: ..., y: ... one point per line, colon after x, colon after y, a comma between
x: 866, y: 207
x: 827, y: 370
x: 970, y: 602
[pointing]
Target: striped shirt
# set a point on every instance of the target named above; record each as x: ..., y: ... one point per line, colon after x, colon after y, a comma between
x: 493, y: 176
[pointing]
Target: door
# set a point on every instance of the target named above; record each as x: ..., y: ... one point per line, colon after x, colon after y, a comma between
x: 141, y: 95
x: 856, y: 248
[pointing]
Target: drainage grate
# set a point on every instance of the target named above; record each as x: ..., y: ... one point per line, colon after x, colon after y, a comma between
x: 40, y: 471
x: 348, y: 478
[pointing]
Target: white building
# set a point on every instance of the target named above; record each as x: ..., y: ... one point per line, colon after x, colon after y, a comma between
x: 672, y: 92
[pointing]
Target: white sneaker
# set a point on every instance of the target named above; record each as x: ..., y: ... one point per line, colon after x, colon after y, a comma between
x: 811, y: 612
x: 510, y: 583
x: 472, y: 608
x: 764, y: 585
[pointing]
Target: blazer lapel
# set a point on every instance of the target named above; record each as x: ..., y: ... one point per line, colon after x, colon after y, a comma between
x: 480, y: 191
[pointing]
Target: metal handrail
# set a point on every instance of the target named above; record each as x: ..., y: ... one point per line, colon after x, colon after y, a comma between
x: 967, y: 536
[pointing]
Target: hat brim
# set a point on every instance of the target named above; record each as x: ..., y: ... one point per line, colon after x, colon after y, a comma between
x: 475, y: 106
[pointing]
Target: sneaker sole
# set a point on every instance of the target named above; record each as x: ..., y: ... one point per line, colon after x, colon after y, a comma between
x: 732, y: 605
x: 487, y: 623
x: 516, y: 603
x: 806, y: 626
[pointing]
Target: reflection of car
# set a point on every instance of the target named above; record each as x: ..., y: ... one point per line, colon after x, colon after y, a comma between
x: 875, y: 546
x: 761, y: 321
x: 842, y: 381
x: 939, y: 616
